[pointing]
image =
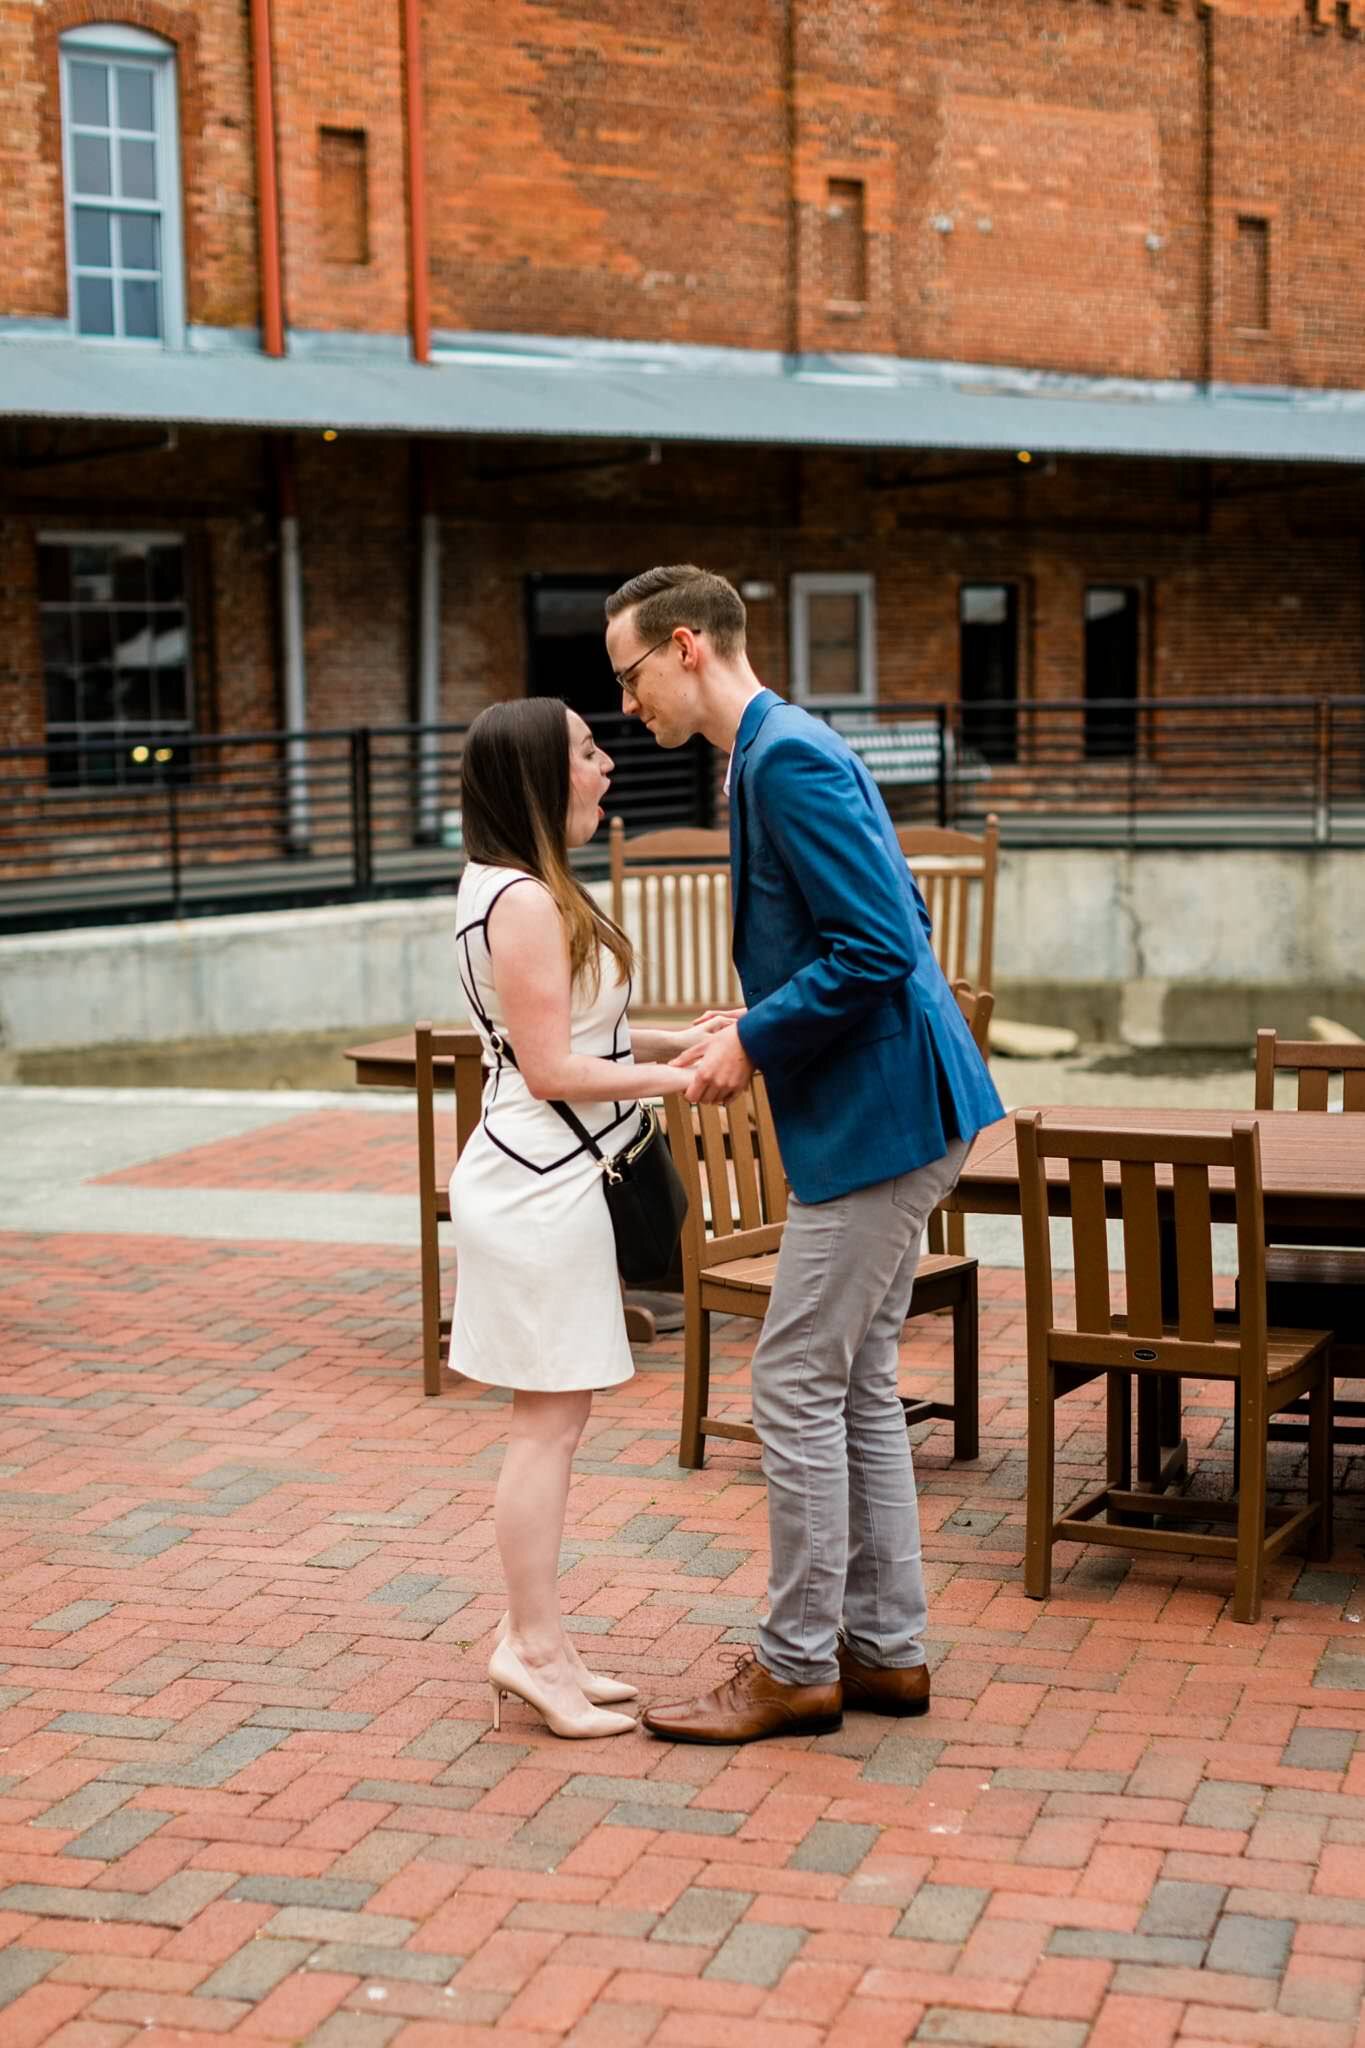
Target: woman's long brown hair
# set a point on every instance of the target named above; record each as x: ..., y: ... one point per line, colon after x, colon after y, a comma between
x: 515, y: 804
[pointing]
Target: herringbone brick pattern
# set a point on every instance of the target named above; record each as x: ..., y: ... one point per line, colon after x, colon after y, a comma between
x: 332, y: 1151
x: 249, y: 1792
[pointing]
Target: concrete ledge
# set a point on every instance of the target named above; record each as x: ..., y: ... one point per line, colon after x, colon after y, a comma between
x: 1148, y: 948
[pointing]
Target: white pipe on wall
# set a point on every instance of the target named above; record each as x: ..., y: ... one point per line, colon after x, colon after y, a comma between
x: 429, y: 677
x: 295, y: 683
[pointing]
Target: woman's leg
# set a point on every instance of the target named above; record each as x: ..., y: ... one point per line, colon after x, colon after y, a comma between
x: 532, y: 1496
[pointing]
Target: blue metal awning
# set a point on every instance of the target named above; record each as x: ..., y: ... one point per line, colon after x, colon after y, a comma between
x: 539, y: 386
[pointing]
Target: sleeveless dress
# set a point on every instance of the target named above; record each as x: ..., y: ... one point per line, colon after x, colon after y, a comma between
x: 537, y: 1296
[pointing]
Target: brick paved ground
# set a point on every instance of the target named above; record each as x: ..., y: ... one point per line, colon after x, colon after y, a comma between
x: 249, y: 1792
x: 335, y: 1151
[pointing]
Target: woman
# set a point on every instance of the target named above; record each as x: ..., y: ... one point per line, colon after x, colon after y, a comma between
x: 538, y: 1303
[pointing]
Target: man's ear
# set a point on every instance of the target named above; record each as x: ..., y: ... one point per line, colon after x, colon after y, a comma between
x: 686, y: 640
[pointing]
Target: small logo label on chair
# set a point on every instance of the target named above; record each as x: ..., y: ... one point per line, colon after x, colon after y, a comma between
x: 1142, y: 1354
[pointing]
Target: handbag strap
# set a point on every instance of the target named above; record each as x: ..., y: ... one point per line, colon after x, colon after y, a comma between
x: 580, y: 1130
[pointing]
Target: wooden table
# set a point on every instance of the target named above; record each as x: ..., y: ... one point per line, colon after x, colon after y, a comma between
x: 1312, y: 1180
x: 392, y: 1063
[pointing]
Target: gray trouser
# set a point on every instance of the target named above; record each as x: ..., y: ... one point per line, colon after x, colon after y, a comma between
x: 843, y: 1519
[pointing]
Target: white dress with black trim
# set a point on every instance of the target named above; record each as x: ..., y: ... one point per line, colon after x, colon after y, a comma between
x: 537, y: 1298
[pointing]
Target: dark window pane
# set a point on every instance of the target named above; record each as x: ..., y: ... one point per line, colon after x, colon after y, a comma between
x: 141, y: 308
x: 95, y: 705
x: 96, y: 765
x: 135, y: 694
x: 139, y: 237
x: 90, y: 164
x: 132, y: 639
x: 135, y: 99
x: 172, y: 693
x: 95, y: 305
x: 989, y: 649
x: 92, y: 237
x: 59, y: 649
x: 166, y: 573
x: 54, y: 573
x: 90, y: 95
x: 832, y: 644
x: 61, y: 697
x: 565, y: 614
x: 92, y: 574
x: 168, y: 638
x: 1111, y: 669
x: 95, y: 638
x: 129, y: 566
x: 137, y: 163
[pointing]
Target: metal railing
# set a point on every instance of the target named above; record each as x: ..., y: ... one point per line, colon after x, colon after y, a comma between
x: 1175, y: 772
x: 246, y: 820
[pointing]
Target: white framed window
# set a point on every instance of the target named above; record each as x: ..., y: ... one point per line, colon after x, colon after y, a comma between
x: 117, y: 677
x: 121, y: 162
x: 833, y: 639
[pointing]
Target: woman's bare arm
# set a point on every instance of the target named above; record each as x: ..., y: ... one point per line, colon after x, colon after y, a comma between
x: 653, y: 1042
x: 530, y: 958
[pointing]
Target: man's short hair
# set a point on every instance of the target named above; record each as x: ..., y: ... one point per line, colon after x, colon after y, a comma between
x: 683, y: 595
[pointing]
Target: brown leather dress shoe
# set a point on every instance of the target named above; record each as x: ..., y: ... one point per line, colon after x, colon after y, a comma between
x: 749, y: 1706
x: 879, y: 1689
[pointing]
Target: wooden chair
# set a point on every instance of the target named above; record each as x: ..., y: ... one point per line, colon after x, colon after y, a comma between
x: 1318, y: 1286
x: 737, y: 1190
x: 434, y: 1164
x: 671, y: 892
x: 956, y: 877
x: 1270, y: 1368
x: 948, y: 1228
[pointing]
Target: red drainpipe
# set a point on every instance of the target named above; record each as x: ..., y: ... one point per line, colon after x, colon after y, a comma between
x: 267, y: 180
x: 420, y: 293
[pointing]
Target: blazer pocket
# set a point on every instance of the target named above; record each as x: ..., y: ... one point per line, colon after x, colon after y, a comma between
x: 883, y: 1022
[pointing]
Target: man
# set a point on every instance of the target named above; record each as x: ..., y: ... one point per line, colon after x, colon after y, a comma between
x: 876, y: 1090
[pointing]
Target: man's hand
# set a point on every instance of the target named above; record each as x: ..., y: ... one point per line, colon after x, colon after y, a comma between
x: 720, y: 1067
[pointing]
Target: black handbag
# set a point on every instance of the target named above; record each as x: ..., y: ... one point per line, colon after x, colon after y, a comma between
x: 646, y: 1199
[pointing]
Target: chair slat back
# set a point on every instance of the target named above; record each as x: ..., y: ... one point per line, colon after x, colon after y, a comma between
x: 1142, y: 1246
x: 772, y: 1172
x: 431, y: 1044
x: 976, y: 1005
x: 1194, y: 1236
x: 956, y: 874
x: 1148, y: 1163
x: 735, y: 1206
x: 670, y: 891
x: 1090, y: 1245
x: 1315, y: 1062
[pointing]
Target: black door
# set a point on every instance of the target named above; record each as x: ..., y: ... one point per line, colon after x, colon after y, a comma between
x: 566, y: 653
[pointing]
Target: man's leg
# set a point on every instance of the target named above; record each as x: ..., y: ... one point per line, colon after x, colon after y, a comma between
x: 884, y: 1607
x: 839, y: 1260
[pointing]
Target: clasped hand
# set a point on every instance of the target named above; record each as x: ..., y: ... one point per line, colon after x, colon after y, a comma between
x: 721, y: 1069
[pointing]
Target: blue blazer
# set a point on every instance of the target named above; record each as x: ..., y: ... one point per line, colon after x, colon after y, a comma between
x: 868, y: 1061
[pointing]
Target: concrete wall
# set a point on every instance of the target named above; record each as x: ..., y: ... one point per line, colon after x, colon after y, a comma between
x: 1181, y: 948
x: 1177, y: 948
x: 227, y: 977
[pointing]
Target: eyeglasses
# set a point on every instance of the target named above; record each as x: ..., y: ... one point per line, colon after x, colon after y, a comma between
x: 622, y: 676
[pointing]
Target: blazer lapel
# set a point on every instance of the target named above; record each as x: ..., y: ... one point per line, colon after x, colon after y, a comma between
x: 755, y: 711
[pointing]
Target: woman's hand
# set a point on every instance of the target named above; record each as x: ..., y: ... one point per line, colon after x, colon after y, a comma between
x: 712, y: 1021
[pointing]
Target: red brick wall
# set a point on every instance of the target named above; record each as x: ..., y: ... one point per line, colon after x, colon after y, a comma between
x: 214, y: 92
x: 598, y: 168
x: 1256, y: 581
x: 338, y: 64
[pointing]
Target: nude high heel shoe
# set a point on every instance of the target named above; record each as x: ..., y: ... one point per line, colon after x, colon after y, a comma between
x: 507, y: 1674
x: 602, y: 1691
